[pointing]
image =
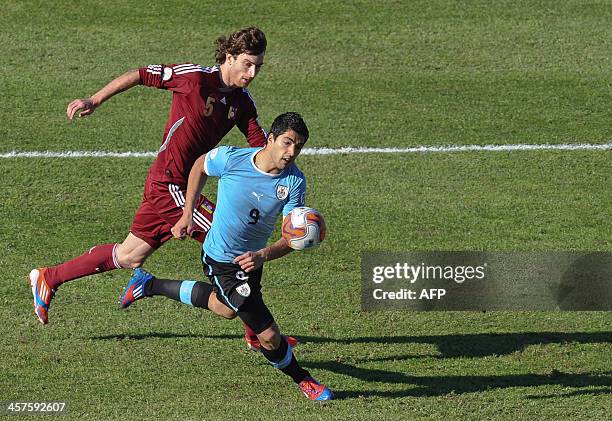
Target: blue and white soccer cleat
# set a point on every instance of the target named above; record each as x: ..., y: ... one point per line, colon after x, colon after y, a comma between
x: 135, y: 288
x: 315, y: 391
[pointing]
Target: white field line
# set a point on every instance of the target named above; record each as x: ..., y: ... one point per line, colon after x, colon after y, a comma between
x: 331, y: 151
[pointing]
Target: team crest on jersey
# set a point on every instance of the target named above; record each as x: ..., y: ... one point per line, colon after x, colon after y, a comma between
x: 282, y: 192
x: 167, y: 74
x: 244, y: 289
x: 231, y: 113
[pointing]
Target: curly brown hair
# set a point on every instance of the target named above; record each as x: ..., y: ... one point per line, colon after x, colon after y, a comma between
x: 250, y: 40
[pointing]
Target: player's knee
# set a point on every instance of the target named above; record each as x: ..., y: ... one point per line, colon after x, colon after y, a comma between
x: 132, y: 262
x: 129, y: 261
x: 219, y: 308
x: 228, y: 314
x: 136, y: 263
x: 270, y: 338
x: 222, y: 310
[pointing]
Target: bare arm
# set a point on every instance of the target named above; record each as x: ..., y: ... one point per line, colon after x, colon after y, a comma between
x: 251, y: 261
x: 87, y: 106
x: 195, y: 184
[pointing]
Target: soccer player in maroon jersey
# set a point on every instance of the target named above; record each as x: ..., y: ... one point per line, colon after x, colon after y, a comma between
x: 207, y: 102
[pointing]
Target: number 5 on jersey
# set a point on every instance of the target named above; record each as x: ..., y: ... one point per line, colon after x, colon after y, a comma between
x: 208, y: 110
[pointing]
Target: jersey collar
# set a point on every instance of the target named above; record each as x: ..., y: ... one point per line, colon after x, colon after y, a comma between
x: 263, y: 172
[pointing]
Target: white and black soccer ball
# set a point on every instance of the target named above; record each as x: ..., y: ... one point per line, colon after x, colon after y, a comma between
x: 303, y: 228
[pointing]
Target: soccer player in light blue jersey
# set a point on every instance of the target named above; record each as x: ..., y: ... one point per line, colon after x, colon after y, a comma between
x: 255, y: 186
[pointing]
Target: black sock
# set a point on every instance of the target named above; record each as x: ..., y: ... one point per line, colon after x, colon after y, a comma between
x: 200, y: 294
x: 292, y: 368
x: 200, y: 291
x: 166, y: 287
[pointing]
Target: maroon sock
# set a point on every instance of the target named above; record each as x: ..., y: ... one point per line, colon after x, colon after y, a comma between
x: 250, y: 333
x: 97, y: 260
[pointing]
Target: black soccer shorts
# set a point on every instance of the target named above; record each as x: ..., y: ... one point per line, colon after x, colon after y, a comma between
x: 240, y: 291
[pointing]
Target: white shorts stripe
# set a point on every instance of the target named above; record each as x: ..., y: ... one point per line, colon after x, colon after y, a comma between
x: 206, y: 223
x: 202, y: 222
x: 179, y: 200
x: 197, y: 216
x: 172, y: 188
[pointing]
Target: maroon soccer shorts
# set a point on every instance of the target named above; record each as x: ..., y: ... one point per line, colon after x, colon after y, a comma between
x: 162, y: 207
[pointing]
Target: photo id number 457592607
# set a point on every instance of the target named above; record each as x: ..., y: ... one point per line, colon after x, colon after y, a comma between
x: 24, y: 407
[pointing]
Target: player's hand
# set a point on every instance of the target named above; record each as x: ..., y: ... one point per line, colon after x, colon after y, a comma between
x: 183, y: 227
x: 86, y: 106
x: 250, y: 260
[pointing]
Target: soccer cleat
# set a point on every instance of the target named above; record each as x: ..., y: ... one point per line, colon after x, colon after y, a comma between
x: 315, y: 391
x: 254, y: 345
x: 42, y: 294
x: 135, y: 288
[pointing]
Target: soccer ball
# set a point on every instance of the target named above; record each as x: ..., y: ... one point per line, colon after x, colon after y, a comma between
x: 303, y: 228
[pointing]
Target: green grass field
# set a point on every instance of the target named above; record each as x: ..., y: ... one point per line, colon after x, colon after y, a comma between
x: 363, y: 73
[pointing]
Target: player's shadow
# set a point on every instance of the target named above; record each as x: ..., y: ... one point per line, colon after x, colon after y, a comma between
x: 462, y: 346
x: 572, y: 393
x: 476, y: 344
x: 159, y: 335
x: 420, y: 386
x: 447, y: 346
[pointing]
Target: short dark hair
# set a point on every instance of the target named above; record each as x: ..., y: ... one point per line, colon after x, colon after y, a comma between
x: 289, y: 121
x: 250, y: 40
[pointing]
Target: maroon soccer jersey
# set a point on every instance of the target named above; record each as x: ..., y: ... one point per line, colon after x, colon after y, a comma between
x: 200, y: 115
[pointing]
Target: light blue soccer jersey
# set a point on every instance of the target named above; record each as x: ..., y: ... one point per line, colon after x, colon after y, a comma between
x: 248, y: 201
